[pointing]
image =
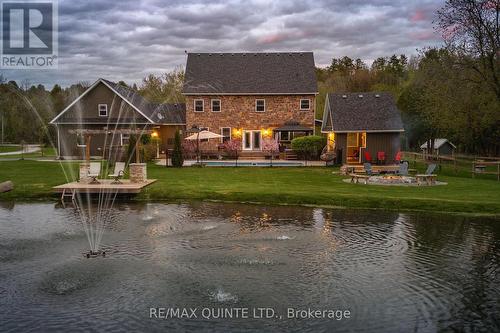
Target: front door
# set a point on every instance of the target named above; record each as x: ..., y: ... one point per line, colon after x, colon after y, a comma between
x: 252, y: 140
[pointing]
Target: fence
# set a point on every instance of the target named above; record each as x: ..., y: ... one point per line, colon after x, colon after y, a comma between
x: 480, y: 165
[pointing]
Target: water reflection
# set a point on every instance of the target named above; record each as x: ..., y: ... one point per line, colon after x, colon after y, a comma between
x: 395, y: 272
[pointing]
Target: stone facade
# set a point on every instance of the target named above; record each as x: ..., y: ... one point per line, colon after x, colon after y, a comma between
x: 138, y: 172
x: 239, y: 113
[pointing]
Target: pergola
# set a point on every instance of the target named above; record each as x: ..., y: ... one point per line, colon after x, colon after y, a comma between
x: 88, y: 133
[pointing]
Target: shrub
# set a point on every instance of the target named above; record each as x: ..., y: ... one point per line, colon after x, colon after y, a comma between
x: 148, y: 151
x: 177, y: 157
x: 308, y: 147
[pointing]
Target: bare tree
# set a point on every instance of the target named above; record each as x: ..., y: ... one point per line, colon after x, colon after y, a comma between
x: 471, y: 29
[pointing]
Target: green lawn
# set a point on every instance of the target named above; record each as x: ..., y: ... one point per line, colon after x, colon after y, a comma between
x: 296, y: 186
x: 47, y: 152
x: 9, y: 149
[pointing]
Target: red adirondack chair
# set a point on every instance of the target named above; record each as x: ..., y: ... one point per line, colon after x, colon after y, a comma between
x: 381, y: 157
x: 368, y: 156
x: 398, y: 157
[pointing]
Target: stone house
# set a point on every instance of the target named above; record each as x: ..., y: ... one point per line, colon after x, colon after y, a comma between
x: 251, y: 97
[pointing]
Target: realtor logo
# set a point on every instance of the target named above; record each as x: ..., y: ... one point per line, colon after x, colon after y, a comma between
x: 29, y: 34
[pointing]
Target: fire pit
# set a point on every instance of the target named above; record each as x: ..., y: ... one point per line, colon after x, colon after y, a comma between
x: 392, y: 180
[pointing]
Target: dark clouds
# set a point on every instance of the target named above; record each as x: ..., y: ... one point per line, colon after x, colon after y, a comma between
x: 127, y: 39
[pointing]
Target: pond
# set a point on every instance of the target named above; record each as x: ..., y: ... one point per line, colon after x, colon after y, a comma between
x: 380, y: 271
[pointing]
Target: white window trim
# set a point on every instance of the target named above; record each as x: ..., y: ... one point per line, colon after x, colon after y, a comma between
x: 212, y: 105
x: 202, y: 104
x: 99, y: 110
x: 121, y: 139
x: 260, y: 99
x: 300, y: 104
x: 222, y: 133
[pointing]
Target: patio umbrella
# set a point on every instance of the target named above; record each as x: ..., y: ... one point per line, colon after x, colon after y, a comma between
x: 202, y: 135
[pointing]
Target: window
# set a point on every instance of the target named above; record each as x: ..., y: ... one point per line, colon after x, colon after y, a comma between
x: 305, y: 104
x: 284, y: 136
x: 215, y: 105
x: 80, y: 141
x: 103, y: 110
x: 260, y: 105
x: 198, y: 105
x: 226, y: 134
x: 125, y: 138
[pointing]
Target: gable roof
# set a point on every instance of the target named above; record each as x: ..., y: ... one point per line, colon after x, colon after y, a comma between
x: 370, y: 112
x: 152, y: 112
x: 437, y: 143
x: 250, y: 73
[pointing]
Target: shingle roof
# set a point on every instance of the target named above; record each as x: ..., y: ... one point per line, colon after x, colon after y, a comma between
x: 165, y: 113
x: 438, y: 143
x: 250, y: 73
x: 361, y: 112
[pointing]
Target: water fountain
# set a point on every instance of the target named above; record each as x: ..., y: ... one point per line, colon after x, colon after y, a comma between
x: 94, y: 219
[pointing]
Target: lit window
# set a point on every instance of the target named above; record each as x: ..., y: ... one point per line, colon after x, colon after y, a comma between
x: 198, y: 105
x: 305, y: 104
x: 103, y: 110
x: 215, y: 105
x: 260, y: 105
x: 226, y: 134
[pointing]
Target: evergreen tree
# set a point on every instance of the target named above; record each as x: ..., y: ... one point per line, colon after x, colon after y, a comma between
x: 177, y: 158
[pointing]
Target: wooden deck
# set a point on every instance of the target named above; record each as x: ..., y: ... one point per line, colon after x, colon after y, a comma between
x: 104, y: 186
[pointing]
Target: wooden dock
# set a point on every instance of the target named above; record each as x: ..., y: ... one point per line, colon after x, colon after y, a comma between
x: 104, y: 186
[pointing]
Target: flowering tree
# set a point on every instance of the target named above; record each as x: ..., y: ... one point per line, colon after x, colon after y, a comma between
x: 233, y: 148
x: 271, y: 146
x: 189, y: 148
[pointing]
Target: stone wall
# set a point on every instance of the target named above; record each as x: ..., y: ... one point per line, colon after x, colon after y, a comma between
x: 238, y: 112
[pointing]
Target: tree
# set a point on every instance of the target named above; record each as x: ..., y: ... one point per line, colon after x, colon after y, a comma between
x: 233, y: 148
x: 471, y: 29
x: 177, y: 157
x: 164, y: 88
x: 271, y: 146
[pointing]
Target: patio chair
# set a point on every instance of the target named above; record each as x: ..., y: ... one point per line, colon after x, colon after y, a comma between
x: 398, y: 157
x: 368, y: 169
x: 368, y: 156
x: 428, y: 176
x: 118, y: 172
x: 381, y: 157
x: 403, y: 169
x: 94, y: 171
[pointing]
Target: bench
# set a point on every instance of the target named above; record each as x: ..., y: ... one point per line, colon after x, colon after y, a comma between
x: 355, y: 177
x: 428, y: 179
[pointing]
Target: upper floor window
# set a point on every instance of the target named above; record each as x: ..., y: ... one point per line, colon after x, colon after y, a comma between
x: 103, y: 110
x: 260, y: 105
x: 215, y: 105
x: 198, y: 105
x: 305, y: 104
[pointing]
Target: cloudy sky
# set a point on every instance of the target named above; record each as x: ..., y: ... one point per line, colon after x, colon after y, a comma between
x: 127, y: 39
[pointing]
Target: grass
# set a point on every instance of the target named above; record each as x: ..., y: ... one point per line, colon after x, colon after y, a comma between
x: 294, y: 186
x: 47, y: 152
x: 9, y: 149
